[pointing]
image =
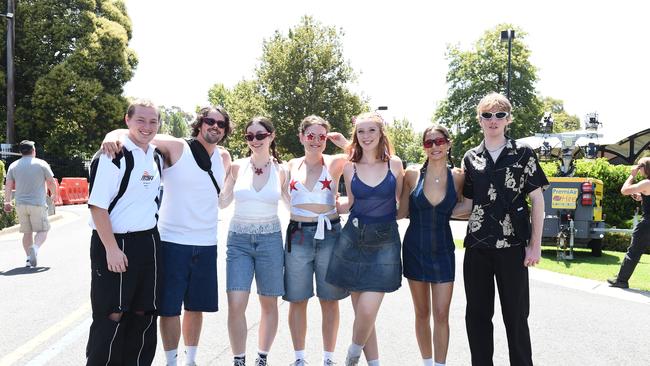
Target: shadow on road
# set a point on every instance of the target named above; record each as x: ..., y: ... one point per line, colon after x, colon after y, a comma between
x: 23, y: 271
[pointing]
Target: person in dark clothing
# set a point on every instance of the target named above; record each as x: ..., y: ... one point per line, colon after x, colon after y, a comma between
x: 429, y: 195
x: 500, y: 243
x: 641, y: 234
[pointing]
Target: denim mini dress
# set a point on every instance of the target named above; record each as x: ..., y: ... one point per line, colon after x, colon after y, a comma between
x: 367, y: 253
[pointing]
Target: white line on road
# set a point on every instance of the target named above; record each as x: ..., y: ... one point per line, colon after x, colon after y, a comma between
x: 21, y: 351
x: 71, y: 337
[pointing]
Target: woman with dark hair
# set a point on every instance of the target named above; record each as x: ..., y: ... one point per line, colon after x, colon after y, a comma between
x: 366, y: 259
x: 641, y: 234
x: 428, y: 198
x: 255, y: 248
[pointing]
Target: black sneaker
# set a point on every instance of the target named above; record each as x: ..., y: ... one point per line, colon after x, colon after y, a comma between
x: 615, y: 282
x: 237, y: 361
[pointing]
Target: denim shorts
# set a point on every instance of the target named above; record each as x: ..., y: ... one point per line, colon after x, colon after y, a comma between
x: 309, y: 257
x: 367, y: 258
x: 260, y: 255
x: 189, y: 279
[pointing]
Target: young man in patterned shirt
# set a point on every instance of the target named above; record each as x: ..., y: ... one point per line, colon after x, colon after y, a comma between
x: 500, y: 243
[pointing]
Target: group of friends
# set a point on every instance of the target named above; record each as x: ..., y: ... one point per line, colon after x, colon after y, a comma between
x: 150, y: 261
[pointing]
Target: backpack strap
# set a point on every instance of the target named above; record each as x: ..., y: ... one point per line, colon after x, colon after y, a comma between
x: 203, y: 160
x: 158, y: 158
x: 128, y: 158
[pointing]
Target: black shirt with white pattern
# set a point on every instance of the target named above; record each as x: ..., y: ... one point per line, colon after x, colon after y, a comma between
x: 498, y: 190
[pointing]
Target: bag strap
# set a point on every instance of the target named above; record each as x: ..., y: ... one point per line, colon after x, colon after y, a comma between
x: 128, y: 158
x: 203, y: 160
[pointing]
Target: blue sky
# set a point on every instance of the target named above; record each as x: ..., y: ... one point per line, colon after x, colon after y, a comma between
x: 593, y: 55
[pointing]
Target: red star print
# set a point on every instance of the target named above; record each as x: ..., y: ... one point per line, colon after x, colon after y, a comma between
x: 292, y: 185
x: 326, y: 184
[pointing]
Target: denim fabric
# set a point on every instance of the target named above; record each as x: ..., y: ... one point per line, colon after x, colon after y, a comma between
x: 309, y: 257
x: 367, y: 258
x: 259, y: 255
x: 189, y: 279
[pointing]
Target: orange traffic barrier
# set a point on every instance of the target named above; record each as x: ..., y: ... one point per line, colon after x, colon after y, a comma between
x: 76, y: 190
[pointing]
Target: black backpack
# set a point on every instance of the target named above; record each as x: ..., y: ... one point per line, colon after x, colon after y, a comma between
x: 128, y: 158
x: 203, y: 160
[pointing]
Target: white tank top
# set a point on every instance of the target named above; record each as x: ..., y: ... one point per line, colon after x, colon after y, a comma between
x: 256, y: 212
x: 321, y: 193
x: 189, y: 209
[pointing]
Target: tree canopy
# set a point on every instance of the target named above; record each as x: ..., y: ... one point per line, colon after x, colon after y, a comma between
x: 562, y: 121
x: 303, y: 73
x: 483, y: 69
x: 407, y: 143
x: 71, y: 60
x: 175, y: 121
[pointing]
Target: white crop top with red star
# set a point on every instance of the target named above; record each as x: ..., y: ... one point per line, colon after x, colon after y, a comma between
x: 323, y: 193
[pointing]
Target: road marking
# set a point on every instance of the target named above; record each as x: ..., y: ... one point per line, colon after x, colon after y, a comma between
x: 70, y: 338
x: 21, y: 351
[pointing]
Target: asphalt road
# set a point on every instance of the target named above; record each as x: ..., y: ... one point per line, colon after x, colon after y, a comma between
x: 45, y: 313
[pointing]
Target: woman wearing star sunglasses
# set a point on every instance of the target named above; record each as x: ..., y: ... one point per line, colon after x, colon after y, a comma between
x: 312, y: 232
x: 428, y: 198
x: 254, y: 247
x: 366, y: 259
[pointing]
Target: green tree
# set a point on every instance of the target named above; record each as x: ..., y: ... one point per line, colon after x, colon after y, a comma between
x: 483, y: 69
x: 242, y: 102
x: 407, y: 144
x: 71, y: 61
x: 304, y: 73
x: 175, y: 121
x: 562, y: 121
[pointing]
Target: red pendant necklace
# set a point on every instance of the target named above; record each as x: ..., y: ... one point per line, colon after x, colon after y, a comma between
x: 259, y: 171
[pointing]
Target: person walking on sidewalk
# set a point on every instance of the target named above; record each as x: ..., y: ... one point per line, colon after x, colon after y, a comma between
x: 500, y: 243
x: 429, y: 195
x: 29, y: 176
x: 125, y: 246
x: 366, y: 259
x: 641, y: 234
x: 256, y: 184
x: 312, y: 232
x: 188, y: 227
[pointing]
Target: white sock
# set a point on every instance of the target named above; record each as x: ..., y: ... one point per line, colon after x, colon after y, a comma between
x: 190, y: 354
x: 172, y: 357
x: 427, y: 362
x: 438, y: 364
x: 300, y: 354
x: 262, y: 354
x: 241, y: 355
x: 328, y: 356
x: 355, y: 350
x: 373, y: 363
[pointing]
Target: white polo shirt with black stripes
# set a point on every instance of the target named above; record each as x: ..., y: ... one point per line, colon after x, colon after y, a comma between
x: 136, y: 209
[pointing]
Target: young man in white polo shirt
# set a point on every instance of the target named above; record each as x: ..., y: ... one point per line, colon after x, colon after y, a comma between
x: 188, y: 227
x: 125, y: 247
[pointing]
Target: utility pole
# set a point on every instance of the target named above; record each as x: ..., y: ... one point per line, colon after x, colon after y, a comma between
x: 11, y: 102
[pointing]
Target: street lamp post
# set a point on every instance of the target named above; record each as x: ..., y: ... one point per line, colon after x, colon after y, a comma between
x: 508, y: 35
x: 10, y: 76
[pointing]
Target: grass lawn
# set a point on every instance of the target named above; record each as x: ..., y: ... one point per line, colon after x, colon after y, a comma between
x: 595, y: 268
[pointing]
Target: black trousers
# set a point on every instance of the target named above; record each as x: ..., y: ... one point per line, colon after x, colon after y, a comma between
x: 480, y: 268
x: 640, y: 240
x: 133, y: 294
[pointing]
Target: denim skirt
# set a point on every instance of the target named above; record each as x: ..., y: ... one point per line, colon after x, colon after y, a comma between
x: 366, y: 258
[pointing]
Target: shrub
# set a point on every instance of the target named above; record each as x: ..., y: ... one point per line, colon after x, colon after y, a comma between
x: 7, y: 219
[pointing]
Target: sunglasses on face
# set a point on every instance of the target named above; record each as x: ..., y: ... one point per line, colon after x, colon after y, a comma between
x: 211, y: 122
x: 497, y: 115
x: 258, y: 136
x: 312, y: 136
x: 438, y: 141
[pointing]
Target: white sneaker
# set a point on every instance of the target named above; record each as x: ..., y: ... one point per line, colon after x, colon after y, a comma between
x: 32, y: 256
x: 328, y: 362
x: 299, y: 362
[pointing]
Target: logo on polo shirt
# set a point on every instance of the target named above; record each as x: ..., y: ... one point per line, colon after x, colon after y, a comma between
x: 146, y: 179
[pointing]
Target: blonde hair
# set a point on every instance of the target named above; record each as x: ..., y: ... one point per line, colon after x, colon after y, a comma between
x: 384, y: 148
x: 313, y: 120
x: 493, y: 100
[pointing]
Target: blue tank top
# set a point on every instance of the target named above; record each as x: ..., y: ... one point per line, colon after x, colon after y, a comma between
x: 645, y: 205
x: 376, y: 204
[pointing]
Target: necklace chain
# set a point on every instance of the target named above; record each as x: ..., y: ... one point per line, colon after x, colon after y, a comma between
x: 259, y: 171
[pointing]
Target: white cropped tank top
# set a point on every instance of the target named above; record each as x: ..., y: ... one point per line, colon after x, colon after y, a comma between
x: 321, y: 193
x: 256, y: 212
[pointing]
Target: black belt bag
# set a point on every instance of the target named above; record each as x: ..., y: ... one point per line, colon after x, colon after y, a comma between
x: 298, y: 225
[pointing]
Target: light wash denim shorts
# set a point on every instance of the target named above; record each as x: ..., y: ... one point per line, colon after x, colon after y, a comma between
x: 259, y: 255
x: 310, y: 257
